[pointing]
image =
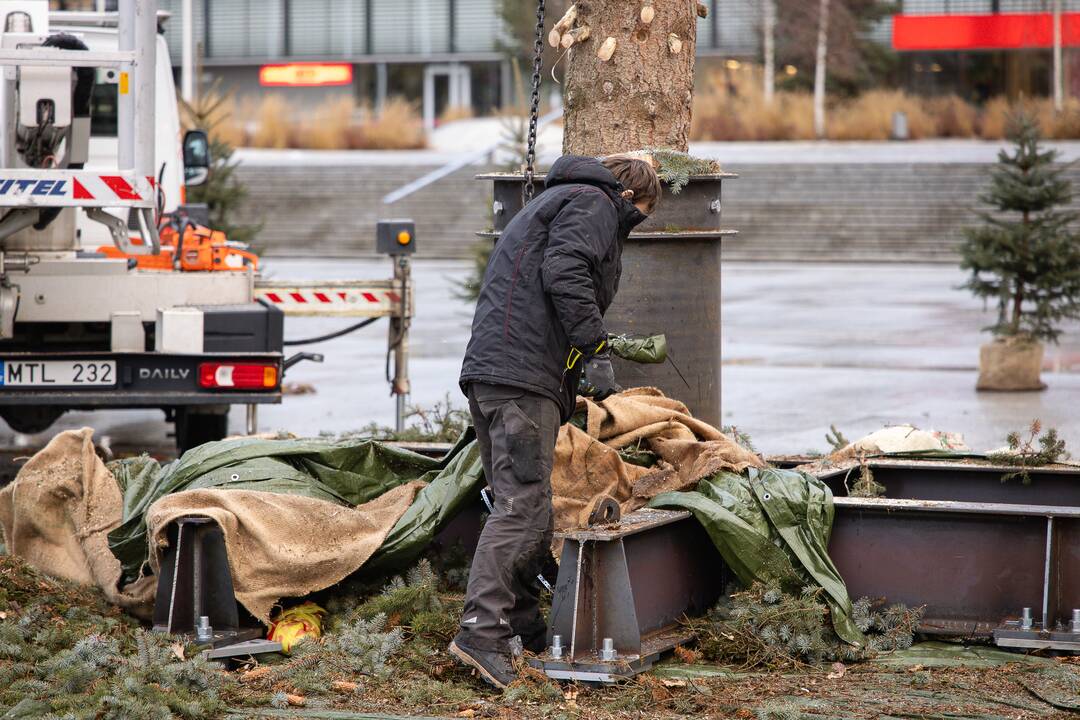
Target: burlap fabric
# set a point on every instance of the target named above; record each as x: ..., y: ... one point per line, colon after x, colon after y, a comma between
x: 285, y: 545
x: 59, y: 510
x: 1011, y: 364
x: 588, y: 464
x: 58, y: 513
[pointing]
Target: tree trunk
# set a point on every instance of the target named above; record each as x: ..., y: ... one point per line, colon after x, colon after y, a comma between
x: 819, y: 69
x: 768, y: 44
x: 1017, y: 308
x: 640, y: 96
x: 1059, y: 88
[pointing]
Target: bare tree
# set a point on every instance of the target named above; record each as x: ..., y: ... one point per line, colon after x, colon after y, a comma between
x: 768, y: 44
x: 819, y: 69
x: 1059, y: 90
x: 851, y: 57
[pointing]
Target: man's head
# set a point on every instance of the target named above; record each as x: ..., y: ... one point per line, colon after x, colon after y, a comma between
x: 638, y: 177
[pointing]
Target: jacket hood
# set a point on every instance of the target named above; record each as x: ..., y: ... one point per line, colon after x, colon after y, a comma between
x: 581, y: 169
x: 590, y: 171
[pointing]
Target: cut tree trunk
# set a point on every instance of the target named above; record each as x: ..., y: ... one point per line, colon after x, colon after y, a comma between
x: 640, y: 96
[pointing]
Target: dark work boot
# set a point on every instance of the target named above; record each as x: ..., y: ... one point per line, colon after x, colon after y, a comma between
x: 495, y: 668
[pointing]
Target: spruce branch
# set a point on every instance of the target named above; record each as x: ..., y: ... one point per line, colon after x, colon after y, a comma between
x: 1035, y: 450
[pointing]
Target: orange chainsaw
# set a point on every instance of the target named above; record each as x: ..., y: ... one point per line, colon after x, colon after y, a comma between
x: 197, y: 248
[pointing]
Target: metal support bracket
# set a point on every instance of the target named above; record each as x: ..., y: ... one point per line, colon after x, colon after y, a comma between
x: 301, y: 357
x: 622, y: 590
x: 195, y: 582
x: 120, y: 233
x: 1002, y: 557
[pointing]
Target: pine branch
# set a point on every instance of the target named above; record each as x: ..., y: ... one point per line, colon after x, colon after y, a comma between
x: 767, y: 627
x: 1036, y: 450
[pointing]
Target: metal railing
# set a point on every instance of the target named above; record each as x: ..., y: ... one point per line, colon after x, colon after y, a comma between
x: 131, y: 183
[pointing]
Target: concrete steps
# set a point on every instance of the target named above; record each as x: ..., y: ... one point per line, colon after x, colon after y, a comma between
x: 833, y: 211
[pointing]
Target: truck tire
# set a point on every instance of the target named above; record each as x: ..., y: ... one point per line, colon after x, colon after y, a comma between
x: 30, y: 419
x: 196, y: 426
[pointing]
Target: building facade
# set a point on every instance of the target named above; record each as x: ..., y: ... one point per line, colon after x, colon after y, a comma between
x: 983, y: 48
x: 453, y: 53
x: 444, y: 51
x: 441, y: 53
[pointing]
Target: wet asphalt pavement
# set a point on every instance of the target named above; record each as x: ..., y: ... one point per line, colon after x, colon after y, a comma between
x: 805, y: 346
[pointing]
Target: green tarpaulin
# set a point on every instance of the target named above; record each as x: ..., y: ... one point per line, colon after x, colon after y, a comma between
x: 772, y: 526
x: 347, y: 473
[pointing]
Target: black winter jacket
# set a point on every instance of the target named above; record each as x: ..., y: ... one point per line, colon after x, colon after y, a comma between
x: 551, y: 277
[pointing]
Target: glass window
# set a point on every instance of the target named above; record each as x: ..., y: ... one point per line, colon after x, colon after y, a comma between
x: 245, y: 29
x: 103, y: 107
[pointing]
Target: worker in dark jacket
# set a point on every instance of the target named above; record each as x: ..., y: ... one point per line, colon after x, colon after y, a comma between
x: 538, y: 325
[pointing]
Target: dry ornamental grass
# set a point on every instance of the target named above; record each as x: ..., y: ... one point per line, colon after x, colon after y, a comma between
x: 336, y: 123
x: 730, y: 105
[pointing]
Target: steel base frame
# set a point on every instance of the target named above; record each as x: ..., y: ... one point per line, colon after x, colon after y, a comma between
x: 626, y: 586
x: 196, y: 582
x: 974, y: 561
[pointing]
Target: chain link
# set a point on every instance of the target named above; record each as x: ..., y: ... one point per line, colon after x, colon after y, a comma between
x: 538, y: 63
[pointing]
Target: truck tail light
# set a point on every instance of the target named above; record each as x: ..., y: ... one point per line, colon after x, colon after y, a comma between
x: 241, y: 376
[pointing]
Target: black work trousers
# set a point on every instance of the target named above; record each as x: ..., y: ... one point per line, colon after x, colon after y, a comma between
x: 517, y: 431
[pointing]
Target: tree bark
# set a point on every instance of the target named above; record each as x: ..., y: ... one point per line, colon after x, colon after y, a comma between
x: 641, y: 96
x: 819, y: 69
x: 768, y: 44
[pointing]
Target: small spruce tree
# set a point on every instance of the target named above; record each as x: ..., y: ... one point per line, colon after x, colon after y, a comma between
x: 1025, y: 255
x: 222, y: 192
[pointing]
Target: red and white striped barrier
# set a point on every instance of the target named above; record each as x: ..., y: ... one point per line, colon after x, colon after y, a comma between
x: 67, y: 188
x: 360, y: 300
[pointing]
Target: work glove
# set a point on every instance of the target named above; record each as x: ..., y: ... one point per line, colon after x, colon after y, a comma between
x: 598, y: 380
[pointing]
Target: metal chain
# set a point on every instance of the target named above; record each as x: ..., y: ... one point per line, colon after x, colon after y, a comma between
x: 538, y: 63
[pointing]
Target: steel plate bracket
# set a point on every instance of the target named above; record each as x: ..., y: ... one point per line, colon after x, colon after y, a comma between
x: 195, y: 581
x: 623, y: 588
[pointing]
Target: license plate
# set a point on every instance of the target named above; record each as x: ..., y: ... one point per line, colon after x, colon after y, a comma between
x: 57, y: 373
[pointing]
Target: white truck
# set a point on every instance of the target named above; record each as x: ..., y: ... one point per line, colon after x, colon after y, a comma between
x: 91, y: 155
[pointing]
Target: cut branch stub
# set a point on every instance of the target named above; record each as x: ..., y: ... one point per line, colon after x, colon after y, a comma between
x: 674, y: 44
x: 567, y: 20
x: 702, y: 10
x: 578, y: 34
x: 648, y: 12
x: 607, y: 49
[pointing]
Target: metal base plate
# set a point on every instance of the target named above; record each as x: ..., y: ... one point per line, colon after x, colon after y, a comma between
x: 594, y: 670
x: 590, y: 668
x: 222, y: 638
x: 1010, y: 635
x: 242, y: 649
